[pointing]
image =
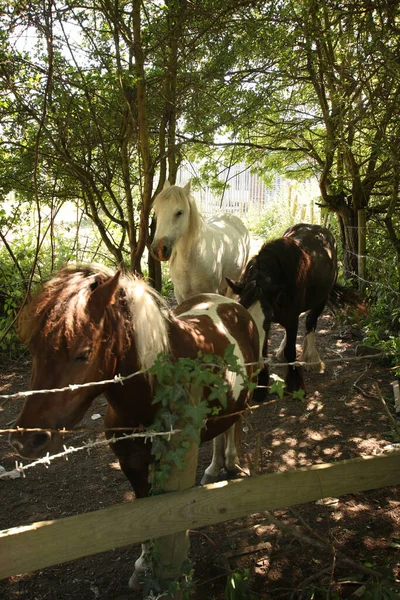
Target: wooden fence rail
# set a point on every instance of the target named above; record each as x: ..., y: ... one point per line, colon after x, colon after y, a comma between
x: 46, y: 543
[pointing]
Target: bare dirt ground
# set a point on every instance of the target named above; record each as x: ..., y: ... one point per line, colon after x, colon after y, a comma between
x: 341, y: 418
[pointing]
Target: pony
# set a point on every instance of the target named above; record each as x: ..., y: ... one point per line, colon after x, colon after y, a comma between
x: 201, y: 253
x: 89, y: 324
x: 291, y: 275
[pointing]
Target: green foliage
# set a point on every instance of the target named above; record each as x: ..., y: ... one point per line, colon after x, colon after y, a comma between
x: 382, y: 321
x: 153, y: 588
x: 272, y: 223
x: 11, y: 295
x: 174, y: 382
x: 167, y: 287
x: 19, y: 255
x: 320, y: 593
x: 278, y: 385
x: 237, y: 586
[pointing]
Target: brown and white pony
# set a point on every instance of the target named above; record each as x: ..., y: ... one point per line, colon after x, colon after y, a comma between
x: 89, y: 324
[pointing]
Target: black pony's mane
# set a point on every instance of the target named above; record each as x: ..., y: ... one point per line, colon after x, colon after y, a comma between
x: 280, y: 266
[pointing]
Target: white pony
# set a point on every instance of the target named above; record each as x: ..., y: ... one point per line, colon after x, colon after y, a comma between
x: 201, y: 253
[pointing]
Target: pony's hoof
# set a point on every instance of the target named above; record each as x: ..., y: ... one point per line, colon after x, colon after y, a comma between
x: 208, y: 479
x: 230, y: 474
x: 316, y: 367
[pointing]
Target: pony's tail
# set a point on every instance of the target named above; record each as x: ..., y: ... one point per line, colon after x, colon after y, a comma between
x: 346, y: 296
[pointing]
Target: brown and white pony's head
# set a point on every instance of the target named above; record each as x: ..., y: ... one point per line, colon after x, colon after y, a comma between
x: 77, y: 328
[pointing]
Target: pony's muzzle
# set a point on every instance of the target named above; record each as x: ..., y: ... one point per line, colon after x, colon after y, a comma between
x: 161, y: 249
x: 32, y: 444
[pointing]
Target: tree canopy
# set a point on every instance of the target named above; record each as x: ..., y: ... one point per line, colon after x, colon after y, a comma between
x: 100, y: 102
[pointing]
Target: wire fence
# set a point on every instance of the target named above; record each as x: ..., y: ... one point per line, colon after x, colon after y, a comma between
x: 147, y: 435
x: 121, y: 379
x: 67, y: 451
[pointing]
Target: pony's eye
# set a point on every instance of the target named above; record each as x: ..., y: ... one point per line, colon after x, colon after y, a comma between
x: 179, y: 213
x: 82, y: 356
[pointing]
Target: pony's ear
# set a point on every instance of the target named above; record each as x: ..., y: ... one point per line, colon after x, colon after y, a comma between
x: 236, y: 287
x: 187, y: 187
x: 102, y: 296
x: 166, y: 184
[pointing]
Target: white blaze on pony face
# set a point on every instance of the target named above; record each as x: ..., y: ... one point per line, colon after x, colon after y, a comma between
x: 172, y: 210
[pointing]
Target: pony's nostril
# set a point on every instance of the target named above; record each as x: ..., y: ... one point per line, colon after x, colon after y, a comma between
x: 39, y: 440
x: 30, y: 445
x: 164, y: 251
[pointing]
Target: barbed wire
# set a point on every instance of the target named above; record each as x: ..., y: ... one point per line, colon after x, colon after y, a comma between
x: 375, y: 283
x: 46, y: 460
x: 367, y: 256
x: 72, y: 387
x: 147, y: 435
x: 248, y: 407
x: 121, y: 378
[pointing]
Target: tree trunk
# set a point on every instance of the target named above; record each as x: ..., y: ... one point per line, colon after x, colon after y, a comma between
x: 362, y: 248
x: 349, y: 239
x: 155, y: 275
x: 147, y: 166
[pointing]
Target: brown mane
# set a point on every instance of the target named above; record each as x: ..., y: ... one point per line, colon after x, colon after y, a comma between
x: 57, y: 313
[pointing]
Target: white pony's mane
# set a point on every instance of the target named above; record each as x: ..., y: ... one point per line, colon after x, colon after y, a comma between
x: 150, y: 318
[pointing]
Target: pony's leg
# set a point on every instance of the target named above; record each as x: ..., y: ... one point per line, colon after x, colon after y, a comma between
x: 231, y: 455
x: 134, y: 458
x: 179, y: 297
x: 280, y: 353
x: 217, y: 462
x: 142, y: 564
x: 310, y: 353
x: 294, y: 377
x: 261, y: 392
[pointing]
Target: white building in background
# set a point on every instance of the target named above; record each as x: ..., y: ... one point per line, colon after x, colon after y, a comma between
x: 246, y: 193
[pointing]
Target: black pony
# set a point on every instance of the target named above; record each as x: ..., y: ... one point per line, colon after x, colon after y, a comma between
x: 291, y: 275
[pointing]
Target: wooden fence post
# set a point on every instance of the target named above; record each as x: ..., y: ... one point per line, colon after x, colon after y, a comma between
x: 172, y: 550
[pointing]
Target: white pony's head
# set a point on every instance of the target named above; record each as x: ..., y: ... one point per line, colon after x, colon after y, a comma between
x: 176, y: 216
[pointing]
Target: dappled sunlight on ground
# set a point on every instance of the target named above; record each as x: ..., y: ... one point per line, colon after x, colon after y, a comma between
x: 336, y: 421
x: 115, y: 465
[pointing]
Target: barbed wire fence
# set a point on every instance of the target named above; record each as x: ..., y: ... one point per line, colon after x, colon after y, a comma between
x: 147, y: 435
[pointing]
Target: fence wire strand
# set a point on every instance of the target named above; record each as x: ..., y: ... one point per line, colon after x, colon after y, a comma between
x: 147, y: 435
x: 122, y: 378
x: 46, y: 460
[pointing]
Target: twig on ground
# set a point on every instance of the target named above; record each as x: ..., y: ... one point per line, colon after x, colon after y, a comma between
x: 307, y: 581
x: 318, y: 542
x: 385, y: 406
